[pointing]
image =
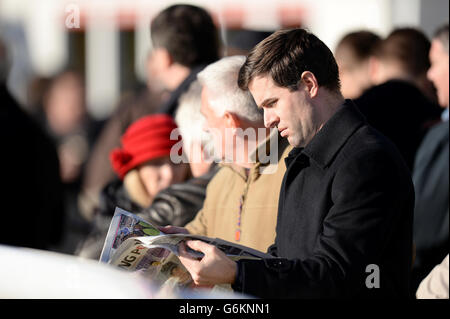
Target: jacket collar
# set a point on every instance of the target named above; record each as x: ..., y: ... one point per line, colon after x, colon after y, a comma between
x: 333, y: 135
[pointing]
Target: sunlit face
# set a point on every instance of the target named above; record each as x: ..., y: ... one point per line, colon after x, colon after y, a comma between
x: 160, y: 173
x: 291, y: 112
x: 65, y: 106
x: 438, y: 72
x: 214, y: 124
x: 157, y: 68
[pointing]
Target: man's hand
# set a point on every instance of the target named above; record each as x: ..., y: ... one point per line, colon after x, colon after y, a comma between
x: 213, y: 269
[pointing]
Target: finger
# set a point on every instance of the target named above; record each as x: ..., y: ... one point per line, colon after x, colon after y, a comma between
x: 199, y: 245
x: 184, y: 253
x: 186, y: 259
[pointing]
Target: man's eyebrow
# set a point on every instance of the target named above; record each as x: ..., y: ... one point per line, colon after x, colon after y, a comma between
x: 268, y: 101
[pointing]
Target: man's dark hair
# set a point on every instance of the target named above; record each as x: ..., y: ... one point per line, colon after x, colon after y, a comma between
x: 360, y: 43
x: 188, y: 33
x: 407, y: 46
x: 285, y: 55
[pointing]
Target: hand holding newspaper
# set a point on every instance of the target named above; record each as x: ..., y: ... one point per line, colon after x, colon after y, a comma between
x: 136, y: 245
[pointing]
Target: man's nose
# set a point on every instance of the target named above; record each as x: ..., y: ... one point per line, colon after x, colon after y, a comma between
x: 270, y: 119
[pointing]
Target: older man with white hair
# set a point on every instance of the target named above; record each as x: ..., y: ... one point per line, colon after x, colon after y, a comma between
x: 242, y: 199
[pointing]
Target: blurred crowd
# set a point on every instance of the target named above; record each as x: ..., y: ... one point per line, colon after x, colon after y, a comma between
x: 65, y: 172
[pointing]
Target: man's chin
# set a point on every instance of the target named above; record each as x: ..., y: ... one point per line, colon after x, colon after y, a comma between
x: 292, y: 141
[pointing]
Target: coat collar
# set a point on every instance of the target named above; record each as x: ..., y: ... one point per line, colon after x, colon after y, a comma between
x: 333, y: 135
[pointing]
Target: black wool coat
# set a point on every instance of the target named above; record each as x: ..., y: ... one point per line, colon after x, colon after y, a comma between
x: 344, y: 227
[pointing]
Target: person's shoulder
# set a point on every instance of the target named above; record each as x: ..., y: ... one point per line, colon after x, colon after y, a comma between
x: 439, y: 130
x: 224, y: 173
x: 370, y: 146
x: 435, y: 142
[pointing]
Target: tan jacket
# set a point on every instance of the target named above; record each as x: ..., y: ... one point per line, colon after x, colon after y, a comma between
x: 435, y: 285
x: 259, y: 193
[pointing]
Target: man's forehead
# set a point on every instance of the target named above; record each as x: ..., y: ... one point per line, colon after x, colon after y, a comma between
x: 261, y: 87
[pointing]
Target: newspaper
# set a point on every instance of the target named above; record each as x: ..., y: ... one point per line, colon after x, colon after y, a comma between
x: 134, y: 244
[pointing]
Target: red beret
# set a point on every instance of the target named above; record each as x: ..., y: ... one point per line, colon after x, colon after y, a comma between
x: 146, y: 139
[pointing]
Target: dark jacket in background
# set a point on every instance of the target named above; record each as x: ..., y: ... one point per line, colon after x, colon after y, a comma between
x: 31, y: 198
x: 176, y: 205
x: 401, y: 112
x: 346, y: 202
x: 431, y: 182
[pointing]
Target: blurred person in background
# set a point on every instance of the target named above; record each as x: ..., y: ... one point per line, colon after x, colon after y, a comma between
x: 353, y: 55
x: 403, y: 55
x: 184, y: 40
x: 431, y: 181
x: 32, y: 198
x: 241, y: 201
x: 61, y: 110
x: 98, y: 172
x: 143, y: 164
x: 396, y: 105
x: 63, y: 114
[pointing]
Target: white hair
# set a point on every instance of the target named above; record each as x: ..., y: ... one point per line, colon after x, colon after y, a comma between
x: 189, y: 119
x: 220, y: 79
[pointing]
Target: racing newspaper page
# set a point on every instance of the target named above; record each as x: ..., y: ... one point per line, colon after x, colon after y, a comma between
x: 134, y: 244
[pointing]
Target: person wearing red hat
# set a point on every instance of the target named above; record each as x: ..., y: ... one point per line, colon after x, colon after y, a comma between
x: 144, y: 167
x: 143, y: 162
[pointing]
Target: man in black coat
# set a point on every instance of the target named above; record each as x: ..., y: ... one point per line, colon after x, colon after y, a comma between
x: 344, y: 227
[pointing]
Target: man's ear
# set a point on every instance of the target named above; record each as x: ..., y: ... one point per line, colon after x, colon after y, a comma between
x: 163, y: 57
x: 311, y: 84
x: 231, y: 120
x: 374, y: 69
x: 168, y: 59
